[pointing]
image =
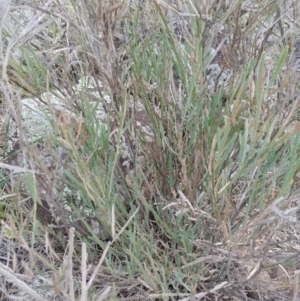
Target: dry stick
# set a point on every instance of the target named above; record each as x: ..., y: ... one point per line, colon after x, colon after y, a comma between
x: 9, y: 275
x: 84, y: 289
x: 104, y: 294
x: 7, y: 196
x: 106, y: 250
x: 124, y: 227
x: 98, y: 267
x: 295, y: 292
x: 70, y: 263
x: 4, y: 8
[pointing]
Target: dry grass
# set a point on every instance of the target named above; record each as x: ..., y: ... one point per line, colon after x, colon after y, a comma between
x: 180, y: 150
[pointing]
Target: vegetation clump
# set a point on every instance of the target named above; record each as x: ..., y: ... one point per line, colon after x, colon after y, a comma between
x: 149, y: 150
